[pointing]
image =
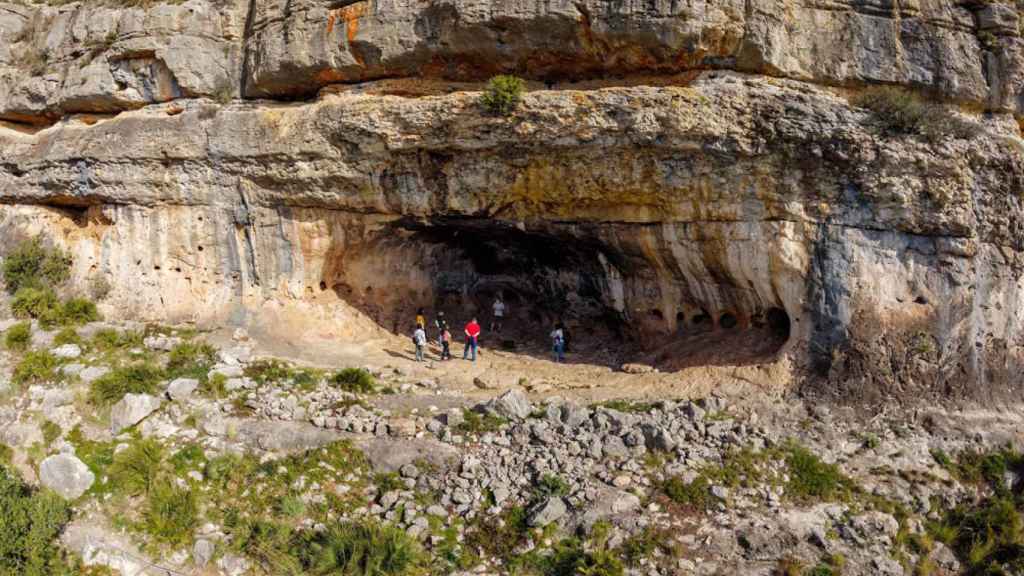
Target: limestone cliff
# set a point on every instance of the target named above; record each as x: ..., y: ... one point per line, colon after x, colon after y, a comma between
x: 687, y: 164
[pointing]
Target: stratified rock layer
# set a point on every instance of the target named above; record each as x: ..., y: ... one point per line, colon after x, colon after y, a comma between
x: 888, y: 265
x: 87, y: 58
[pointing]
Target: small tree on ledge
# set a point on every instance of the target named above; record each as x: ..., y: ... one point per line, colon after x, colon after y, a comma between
x: 503, y: 94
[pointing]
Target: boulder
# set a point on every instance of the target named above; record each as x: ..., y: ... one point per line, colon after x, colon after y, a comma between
x: 181, y: 388
x: 91, y: 373
x: 66, y: 475
x: 512, y: 404
x: 638, y: 369
x: 391, y: 454
x: 202, y: 552
x: 546, y: 512
x: 131, y: 410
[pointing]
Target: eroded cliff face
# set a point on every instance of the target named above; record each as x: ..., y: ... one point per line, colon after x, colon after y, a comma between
x: 83, y: 58
x: 697, y: 216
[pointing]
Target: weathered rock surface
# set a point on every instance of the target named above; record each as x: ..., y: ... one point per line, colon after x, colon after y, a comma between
x: 705, y: 171
x: 181, y: 388
x: 66, y: 475
x: 131, y: 410
x: 81, y: 58
x: 768, y: 205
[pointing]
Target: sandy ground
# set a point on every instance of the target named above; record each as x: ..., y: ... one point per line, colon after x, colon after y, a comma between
x: 583, y: 377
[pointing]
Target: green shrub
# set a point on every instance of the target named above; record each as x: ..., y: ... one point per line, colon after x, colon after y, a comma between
x: 109, y: 339
x: 42, y: 304
x: 30, y: 524
x: 78, y: 311
x: 570, y: 558
x: 811, y: 480
x: 66, y: 336
x: 36, y: 367
x: 291, y: 506
x: 500, y: 536
x: 476, y: 423
x: 388, y: 481
x: 18, y: 337
x: 215, y: 385
x: 355, y: 380
x: 551, y: 485
x: 6, y: 455
x: 31, y: 265
x: 696, y: 495
x: 171, y: 514
x: 36, y: 302
x: 987, y: 468
x: 987, y: 536
x: 139, y: 378
x: 363, y: 548
x: 190, y: 457
x: 51, y: 431
x: 502, y: 95
x: 271, y: 544
x: 942, y: 459
x: 269, y: 371
x: 649, y: 543
x: 191, y: 359
x: 135, y: 469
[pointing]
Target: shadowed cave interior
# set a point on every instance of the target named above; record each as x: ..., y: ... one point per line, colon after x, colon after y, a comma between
x: 607, y: 295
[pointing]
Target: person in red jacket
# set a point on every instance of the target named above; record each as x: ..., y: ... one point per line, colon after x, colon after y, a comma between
x: 472, y: 333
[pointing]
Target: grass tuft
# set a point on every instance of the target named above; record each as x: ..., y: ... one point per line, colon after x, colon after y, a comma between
x: 67, y: 336
x: 18, y: 338
x: 36, y: 367
x: 172, y: 513
x: 363, y: 548
x: 191, y: 359
x: 141, y: 378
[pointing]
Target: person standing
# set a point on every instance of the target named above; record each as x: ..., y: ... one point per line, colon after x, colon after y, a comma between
x: 499, y: 314
x: 421, y: 320
x: 419, y: 338
x: 441, y: 323
x: 446, y: 340
x: 472, y: 334
x: 558, y: 342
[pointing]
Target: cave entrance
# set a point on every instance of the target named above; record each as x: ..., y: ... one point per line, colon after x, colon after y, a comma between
x: 606, y: 295
x: 544, y: 278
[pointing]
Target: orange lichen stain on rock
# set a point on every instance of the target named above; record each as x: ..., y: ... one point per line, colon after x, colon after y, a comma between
x: 351, y: 15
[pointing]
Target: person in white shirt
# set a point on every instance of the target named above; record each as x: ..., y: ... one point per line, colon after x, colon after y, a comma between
x: 558, y: 342
x: 499, y: 314
x: 419, y: 338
